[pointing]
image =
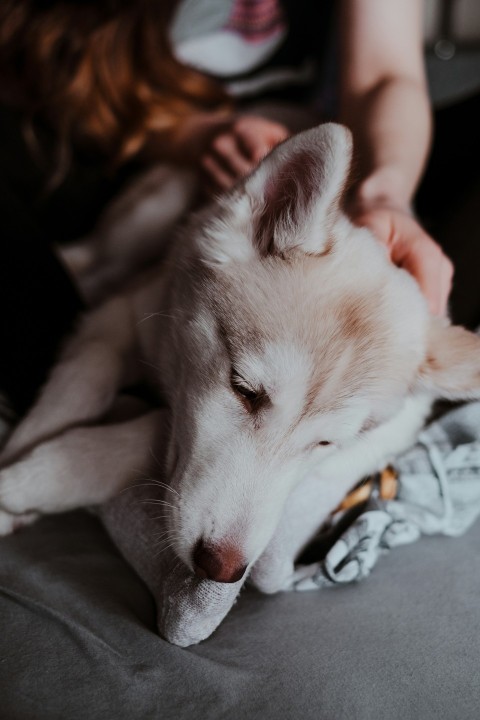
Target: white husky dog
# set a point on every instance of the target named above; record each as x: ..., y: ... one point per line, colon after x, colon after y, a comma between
x: 284, y: 343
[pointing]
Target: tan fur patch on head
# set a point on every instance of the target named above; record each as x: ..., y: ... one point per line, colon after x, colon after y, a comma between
x: 350, y: 356
x: 355, y: 318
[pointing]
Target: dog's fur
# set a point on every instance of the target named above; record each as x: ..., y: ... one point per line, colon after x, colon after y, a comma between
x: 273, y: 328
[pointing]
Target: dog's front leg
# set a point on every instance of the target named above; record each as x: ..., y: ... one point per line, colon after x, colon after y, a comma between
x: 307, y: 508
x: 95, y: 362
x: 83, y: 466
x: 134, y: 230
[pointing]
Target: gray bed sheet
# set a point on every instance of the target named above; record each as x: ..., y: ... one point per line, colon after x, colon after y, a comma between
x: 78, y: 639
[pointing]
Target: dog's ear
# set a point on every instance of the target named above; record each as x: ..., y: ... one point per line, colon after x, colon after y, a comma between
x: 452, y: 365
x: 289, y: 203
x: 295, y: 192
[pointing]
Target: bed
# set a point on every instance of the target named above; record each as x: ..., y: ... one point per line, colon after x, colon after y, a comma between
x: 78, y: 639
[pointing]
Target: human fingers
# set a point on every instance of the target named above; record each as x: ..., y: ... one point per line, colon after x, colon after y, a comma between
x: 228, y: 153
x: 411, y: 248
x: 423, y: 258
x: 258, y: 136
x: 216, y: 173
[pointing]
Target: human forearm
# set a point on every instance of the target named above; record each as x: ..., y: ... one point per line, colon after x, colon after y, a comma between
x: 391, y: 124
x: 384, y: 97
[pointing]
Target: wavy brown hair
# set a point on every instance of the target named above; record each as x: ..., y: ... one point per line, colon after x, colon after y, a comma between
x: 101, y: 73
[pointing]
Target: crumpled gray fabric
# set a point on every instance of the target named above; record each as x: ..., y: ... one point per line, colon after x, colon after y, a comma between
x: 439, y: 493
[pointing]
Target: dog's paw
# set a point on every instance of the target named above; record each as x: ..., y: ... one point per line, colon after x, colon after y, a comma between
x: 12, y: 491
x: 271, y: 575
x: 7, y: 523
x: 11, y: 523
x: 21, y: 484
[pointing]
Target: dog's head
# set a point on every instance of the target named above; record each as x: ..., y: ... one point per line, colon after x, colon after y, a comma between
x: 299, y: 336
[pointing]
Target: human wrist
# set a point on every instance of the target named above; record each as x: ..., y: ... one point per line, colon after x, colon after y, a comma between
x: 384, y: 188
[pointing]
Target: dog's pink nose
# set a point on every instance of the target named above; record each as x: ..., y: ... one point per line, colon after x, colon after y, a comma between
x: 222, y: 562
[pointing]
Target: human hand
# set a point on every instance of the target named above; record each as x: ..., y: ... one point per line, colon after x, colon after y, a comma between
x: 235, y: 151
x: 411, y: 248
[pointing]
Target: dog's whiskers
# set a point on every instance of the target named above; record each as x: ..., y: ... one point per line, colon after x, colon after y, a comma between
x: 163, y: 517
x: 168, y: 534
x: 164, y: 549
x: 151, y: 365
x: 149, y: 316
x: 176, y: 566
x: 151, y: 483
x: 153, y: 501
x: 159, y: 517
x: 164, y: 486
x: 157, y: 536
x: 160, y: 483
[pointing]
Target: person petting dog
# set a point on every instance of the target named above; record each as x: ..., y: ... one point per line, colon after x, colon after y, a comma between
x: 92, y: 91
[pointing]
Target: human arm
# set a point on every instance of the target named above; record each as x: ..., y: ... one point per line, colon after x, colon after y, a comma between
x: 384, y: 101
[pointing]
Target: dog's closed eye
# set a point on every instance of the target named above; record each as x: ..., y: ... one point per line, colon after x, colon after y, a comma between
x: 252, y: 398
x: 319, y: 443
